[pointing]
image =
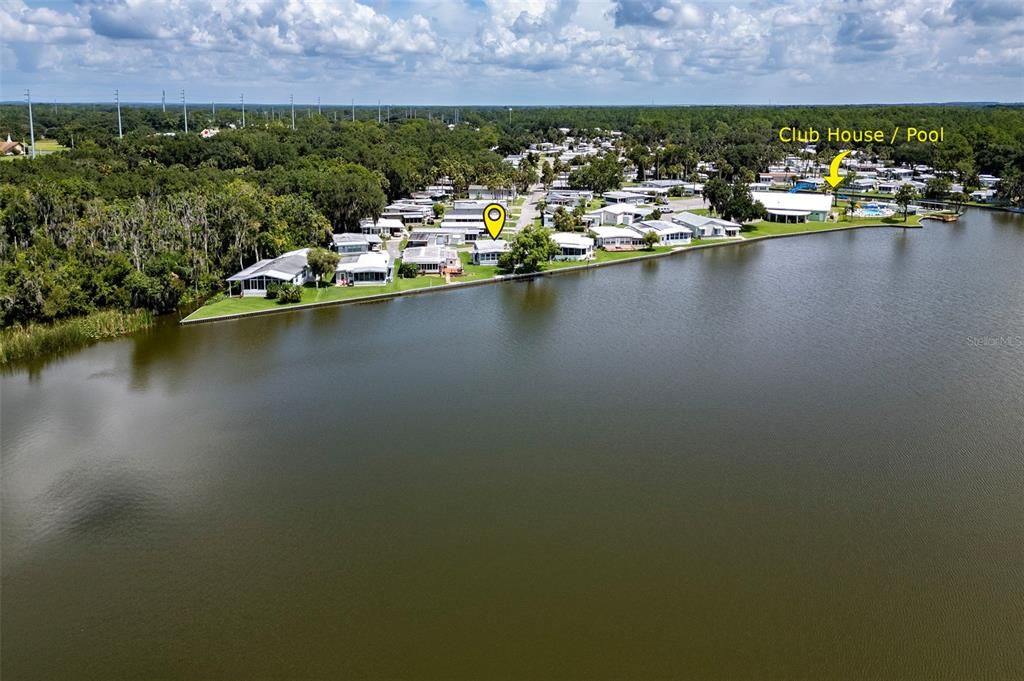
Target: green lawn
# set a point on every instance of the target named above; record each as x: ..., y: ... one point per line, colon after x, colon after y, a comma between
x: 330, y: 292
x: 765, y: 228
x: 48, y: 146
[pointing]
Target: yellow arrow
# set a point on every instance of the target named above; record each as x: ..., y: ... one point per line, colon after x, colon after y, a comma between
x: 833, y: 170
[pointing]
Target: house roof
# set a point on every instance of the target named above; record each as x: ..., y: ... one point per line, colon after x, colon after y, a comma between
x: 695, y: 221
x: 572, y: 240
x: 283, y: 267
x: 609, y: 232
x: 620, y: 208
x: 382, y: 224
x: 428, y: 254
x: 787, y: 201
x: 490, y: 246
x: 623, y: 195
x: 660, y: 226
x: 350, y: 238
x: 365, y: 262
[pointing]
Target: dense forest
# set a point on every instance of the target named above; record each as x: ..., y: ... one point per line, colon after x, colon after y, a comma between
x: 156, y: 221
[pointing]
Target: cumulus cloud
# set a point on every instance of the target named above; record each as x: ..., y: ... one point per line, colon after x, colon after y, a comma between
x: 556, y: 50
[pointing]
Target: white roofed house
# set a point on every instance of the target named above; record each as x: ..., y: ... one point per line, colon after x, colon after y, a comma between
x: 569, y: 198
x: 706, y: 227
x: 612, y: 238
x: 479, y: 191
x: 617, y: 214
x: 433, y: 259
x: 373, y: 268
x: 382, y: 226
x: 488, y: 251
x: 411, y: 212
x: 349, y: 243
x: 669, y: 233
x: 624, y: 197
x: 573, y: 246
x: 289, y: 268
x: 794, y: 207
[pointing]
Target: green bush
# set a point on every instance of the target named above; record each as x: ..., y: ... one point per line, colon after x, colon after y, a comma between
x: 407, y: 270
x: 289, y: 293
x: 272, y: 290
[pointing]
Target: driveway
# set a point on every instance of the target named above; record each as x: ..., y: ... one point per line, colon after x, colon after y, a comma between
x: 529, y: 210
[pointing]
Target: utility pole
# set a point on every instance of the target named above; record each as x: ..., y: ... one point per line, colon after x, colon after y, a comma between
x: 510, y: 115
x: 378, y: 112
x: 163, y: 100
x: 31, y: 125
x: 291, y: 100
x: 318, y: 105
x: 117, y: 100
x: 389, y: 113
x: 214, y: 105
x: 353, y: 109
x: 242, y: 99
x: 184, y: 108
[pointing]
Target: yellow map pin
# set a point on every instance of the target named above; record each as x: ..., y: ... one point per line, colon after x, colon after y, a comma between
x: 494, y: 219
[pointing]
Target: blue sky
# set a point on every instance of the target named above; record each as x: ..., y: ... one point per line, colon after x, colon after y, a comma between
x: 518, y: 53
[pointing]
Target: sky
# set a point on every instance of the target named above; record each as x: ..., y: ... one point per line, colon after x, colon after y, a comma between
x: 533, y: 52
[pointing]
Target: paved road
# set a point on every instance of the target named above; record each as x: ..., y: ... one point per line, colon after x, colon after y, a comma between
x: 530, y: 211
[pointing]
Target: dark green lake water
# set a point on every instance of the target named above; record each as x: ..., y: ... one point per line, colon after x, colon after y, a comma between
x: 796, y: 459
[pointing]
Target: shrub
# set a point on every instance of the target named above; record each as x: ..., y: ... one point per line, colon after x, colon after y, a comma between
x: 407, y: 270
x: 289, y: 293
x: 272, y: 290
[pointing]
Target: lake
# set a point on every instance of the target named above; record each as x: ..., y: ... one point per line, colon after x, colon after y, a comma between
x: 794, y: 459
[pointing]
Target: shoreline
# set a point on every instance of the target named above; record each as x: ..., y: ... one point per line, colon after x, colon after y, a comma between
x: 497, y: 279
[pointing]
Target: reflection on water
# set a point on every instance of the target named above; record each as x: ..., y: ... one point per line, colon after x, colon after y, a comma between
x: 785, y: 459
x: 86, y: 502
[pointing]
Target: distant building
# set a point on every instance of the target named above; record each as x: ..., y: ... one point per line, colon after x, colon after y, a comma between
x: 624, y: 197
x: 11, y: 148
x: 569, y: 198
x: 382, y: 226
x: 347, y: 244
x: 479, y: 191
x: 617, y: 214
